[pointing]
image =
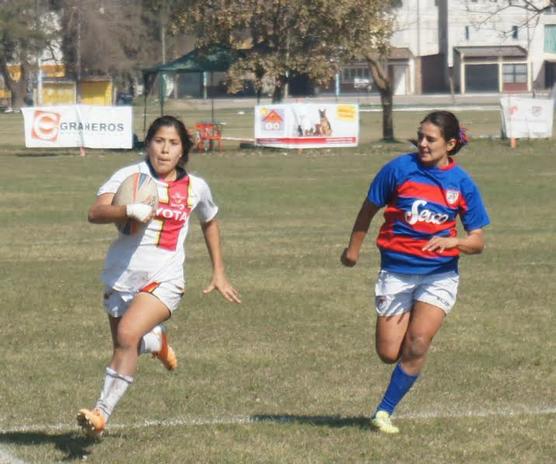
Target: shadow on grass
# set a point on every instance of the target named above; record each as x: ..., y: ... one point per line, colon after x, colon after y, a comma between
x: 73, y: 445
x: 324, y: 421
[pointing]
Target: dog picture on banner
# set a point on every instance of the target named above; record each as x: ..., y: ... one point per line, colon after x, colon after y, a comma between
x: 307, y: 125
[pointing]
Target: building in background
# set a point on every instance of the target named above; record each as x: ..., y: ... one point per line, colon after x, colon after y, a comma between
x: 462, y: 47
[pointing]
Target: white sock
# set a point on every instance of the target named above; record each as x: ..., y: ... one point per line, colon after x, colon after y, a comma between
x: 115, y: 385
x: 108, y: 379
x: 151, y: 342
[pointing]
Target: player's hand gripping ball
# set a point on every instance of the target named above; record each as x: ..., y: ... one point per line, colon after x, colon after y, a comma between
x: 139, y: 193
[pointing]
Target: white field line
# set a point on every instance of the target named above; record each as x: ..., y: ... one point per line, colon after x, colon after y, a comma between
x: 193, y: 421
x: 7, y: 458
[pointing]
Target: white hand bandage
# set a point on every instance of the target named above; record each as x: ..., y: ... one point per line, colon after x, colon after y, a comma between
x: 139, y: 211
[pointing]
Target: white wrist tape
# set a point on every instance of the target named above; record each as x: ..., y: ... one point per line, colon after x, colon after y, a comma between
x: 139, y: 211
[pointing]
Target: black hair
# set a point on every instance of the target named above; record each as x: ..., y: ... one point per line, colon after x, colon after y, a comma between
x: 449, y: 127
x: 171, y: 121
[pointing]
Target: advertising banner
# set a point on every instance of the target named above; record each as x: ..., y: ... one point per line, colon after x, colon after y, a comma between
x: 78, y: 126
x: 307, y: 125
x: 527, y: 117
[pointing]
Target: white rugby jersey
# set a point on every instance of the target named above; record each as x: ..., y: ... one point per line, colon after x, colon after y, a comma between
x: 156, y: 252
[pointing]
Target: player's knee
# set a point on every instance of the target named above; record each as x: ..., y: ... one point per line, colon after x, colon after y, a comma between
x: 416, y: 346
x: 127, y: 338
x: 388, y: 355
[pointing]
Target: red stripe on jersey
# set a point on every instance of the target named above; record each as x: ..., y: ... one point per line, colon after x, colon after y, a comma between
x: 392, y: 214
x: 429, y: 192
x: 173, y: 213
x: 409, y: 245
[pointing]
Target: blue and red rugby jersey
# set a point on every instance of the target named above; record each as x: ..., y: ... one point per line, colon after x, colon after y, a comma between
x: 422, y: 202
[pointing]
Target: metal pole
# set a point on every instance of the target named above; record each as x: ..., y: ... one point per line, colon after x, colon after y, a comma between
x: 162, y: 92
x: 39, y: 83
x: 163, y: 33
x: 212, y: 97
x: 144, y: 106
x: 78, y: 54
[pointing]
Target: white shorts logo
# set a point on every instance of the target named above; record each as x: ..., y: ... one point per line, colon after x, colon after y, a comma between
x: 381, y: 303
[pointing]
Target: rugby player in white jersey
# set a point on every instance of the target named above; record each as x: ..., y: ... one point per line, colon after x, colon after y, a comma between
x: 143, y: 273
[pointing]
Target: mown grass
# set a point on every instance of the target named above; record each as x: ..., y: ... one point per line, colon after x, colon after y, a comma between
x: 238, y: 123
x: 297, y: 355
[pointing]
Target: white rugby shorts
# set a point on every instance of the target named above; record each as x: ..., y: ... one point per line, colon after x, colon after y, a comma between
x: 117, y: 302
x: 396, y: 293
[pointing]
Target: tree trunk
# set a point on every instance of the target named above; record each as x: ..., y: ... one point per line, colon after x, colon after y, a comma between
x: 18, y: 96
x: 278, y: 94
x: 379, y: 72
x: 259, y: 74
x: 387, y: 102
x: 17, y: 88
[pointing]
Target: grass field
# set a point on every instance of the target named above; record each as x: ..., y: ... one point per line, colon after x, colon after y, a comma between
x: 290, y: 375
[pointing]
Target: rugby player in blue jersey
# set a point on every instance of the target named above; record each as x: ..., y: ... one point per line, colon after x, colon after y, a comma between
x: 422, y: 194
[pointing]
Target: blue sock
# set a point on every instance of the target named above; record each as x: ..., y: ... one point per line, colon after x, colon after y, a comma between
x: 400, y: 383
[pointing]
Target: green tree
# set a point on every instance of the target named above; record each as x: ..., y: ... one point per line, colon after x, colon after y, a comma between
x: 280, y: 37
x: 107, y: 37
x: 276, y: 38
x: 363, y: 33
x: 25, y: 32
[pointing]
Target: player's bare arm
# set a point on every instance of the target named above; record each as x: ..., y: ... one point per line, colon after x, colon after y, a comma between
x: 473, y: 243
x: 219, y: 281
x: 350, y: 254
x: 104, y: 212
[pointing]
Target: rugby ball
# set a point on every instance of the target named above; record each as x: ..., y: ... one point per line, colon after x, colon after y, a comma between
x: 137, y: 188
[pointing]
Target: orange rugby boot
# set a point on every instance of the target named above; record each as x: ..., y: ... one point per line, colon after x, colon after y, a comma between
x: 91, y: 422
x: 166, y: 355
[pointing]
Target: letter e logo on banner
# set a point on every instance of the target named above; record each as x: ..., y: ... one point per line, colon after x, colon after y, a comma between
x: 46, y: 126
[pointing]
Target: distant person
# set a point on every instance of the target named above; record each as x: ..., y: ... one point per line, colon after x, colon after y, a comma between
x: 422, y: 193
x: 143, y: 273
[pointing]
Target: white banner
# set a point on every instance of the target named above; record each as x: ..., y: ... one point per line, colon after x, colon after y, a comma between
x: 79, y: 126
x: 307, y: 125
x: 526, y: 117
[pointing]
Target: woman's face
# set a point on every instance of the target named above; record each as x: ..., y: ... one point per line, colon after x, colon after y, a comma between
x: 165, y: 150
x: 433, y: 149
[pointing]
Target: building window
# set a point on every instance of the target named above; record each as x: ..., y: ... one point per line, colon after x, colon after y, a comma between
x: 550, y: 38
x: 357, y: 76
x: 515, y: 73
x: 466, y: 32
x: 515, y: 32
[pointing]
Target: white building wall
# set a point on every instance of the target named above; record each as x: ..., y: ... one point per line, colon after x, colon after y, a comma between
x: 420, y: 25
x: 416, y: 27
x: 484, y: 27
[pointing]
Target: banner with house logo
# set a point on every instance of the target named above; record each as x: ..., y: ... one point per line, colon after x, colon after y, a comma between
x: 526, y: 117
x: 78, y: 126
x: 307, y: 125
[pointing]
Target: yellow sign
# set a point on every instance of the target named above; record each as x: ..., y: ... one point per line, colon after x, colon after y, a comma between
x: 58, y: 93
x: 96, y: 92
x: 346, y: 112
